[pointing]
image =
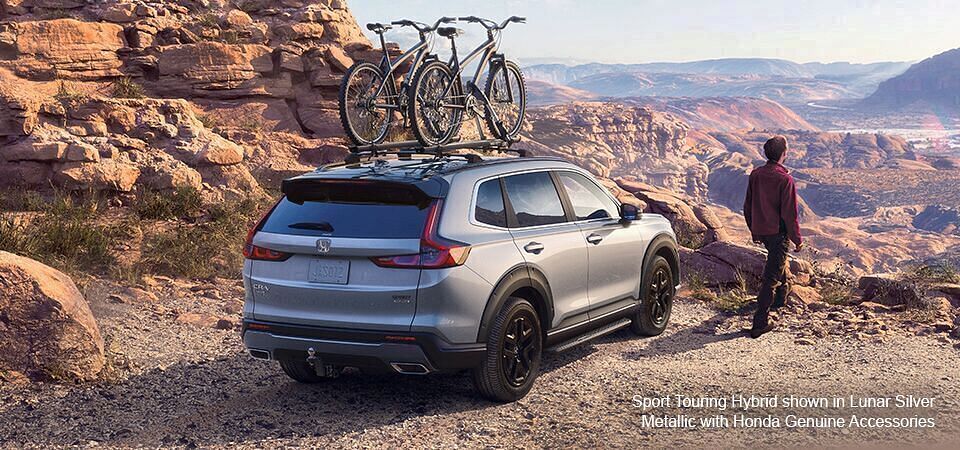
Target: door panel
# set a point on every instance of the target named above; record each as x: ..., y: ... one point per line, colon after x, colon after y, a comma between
x: 563, y: 259
x: 538, y: 223
x: 614, y: 260
x: 614, y: 250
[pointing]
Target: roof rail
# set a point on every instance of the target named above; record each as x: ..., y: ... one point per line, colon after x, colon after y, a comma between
x: 410, y: 148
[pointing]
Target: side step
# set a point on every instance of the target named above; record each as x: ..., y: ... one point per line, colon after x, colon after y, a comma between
x: 603, y: 331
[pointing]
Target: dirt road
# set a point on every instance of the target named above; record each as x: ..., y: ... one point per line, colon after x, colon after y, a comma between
x: 193, y: 386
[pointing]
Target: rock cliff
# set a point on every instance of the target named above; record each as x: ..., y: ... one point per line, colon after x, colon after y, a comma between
x: 110, y: 96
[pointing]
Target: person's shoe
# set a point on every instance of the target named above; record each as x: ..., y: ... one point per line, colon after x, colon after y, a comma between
x: 755, y: 333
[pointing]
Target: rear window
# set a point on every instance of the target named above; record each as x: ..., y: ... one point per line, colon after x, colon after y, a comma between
x: 350, y: 212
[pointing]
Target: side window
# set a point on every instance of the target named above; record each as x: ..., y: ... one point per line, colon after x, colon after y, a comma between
x: 490, y: 204
x: 589, y: 200
x: 534, y: 199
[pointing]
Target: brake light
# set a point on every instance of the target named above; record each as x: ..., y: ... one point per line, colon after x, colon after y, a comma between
x: 254, y: 252
x: 435, y: 251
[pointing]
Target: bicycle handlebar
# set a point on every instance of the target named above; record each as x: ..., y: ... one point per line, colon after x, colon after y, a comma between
x: 491, y: 25
x: 422, y: 27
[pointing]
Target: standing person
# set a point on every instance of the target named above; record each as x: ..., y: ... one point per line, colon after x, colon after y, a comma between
x: 773, y: 218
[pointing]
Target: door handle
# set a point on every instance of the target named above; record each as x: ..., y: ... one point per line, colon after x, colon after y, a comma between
x: 533, y: 247
x: 594, y: 238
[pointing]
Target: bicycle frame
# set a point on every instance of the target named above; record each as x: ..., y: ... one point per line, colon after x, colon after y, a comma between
x: 487, y: 52
x: 418, y: 52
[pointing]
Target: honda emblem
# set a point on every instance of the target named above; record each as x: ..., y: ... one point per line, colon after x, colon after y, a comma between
x: 323, y: 245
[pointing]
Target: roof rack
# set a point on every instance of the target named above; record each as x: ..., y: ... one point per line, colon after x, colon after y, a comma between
x: 410, y: 148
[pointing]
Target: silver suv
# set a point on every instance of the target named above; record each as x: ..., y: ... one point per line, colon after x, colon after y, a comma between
x: 418, y: 265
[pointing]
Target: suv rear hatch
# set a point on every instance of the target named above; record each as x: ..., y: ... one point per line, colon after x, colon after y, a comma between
x: 313, y: 256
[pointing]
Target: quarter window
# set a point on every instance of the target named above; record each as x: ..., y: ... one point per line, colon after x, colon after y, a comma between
x: 490, y: 204
x: 534, y: 199
x: 589, y: 200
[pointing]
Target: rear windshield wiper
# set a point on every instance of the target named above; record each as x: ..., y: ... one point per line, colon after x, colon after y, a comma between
x: 318, y: 226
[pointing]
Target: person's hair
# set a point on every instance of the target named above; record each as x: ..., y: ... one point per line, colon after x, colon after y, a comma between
x: 775, y: 148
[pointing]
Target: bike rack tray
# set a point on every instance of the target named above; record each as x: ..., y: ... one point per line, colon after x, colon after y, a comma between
x: 415, y: 148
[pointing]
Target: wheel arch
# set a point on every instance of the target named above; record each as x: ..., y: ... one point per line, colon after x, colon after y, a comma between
x: 663, y: 245
x: 522, y: 281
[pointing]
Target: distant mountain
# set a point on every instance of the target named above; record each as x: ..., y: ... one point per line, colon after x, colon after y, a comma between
x: 711, y: 85
x: 933, y: 82
x: 541, y: 93
x: 727, y: 114
x: 854, y: 80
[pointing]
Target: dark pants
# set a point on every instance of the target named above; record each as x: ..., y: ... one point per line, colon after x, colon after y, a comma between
x: 773, y: 286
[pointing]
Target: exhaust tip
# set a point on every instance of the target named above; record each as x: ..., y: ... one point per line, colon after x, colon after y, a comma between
x: 410, y: 368
x: 260, y: 354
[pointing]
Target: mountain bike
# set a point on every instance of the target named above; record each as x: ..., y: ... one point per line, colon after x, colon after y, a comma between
x: 369, y: 95
x: 439, y: 98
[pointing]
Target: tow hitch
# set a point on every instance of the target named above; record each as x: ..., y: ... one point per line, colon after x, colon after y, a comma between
x: 321, y: 369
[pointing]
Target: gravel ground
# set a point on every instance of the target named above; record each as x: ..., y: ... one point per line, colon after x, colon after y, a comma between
x: 183, y: 385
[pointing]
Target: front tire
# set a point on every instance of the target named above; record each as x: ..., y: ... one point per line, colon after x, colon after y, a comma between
x: 507, y: 92
x: 514, y: 350
x: 656, y: 294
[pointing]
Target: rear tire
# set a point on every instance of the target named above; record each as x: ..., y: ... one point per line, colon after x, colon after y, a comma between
x: 363, y: 125
x: 301, y: 372
x: 514, y: 349
x: 656, y: 294
x: 433, y: 124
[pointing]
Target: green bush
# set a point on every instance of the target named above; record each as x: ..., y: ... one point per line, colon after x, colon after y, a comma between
x: 63, y: 235
x: 204, y: 250
x: 183, y: 202
x: 126, y: 87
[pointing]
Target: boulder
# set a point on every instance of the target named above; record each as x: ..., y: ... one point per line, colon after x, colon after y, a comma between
x: 726, y: 263
x: 46, y: 328
x: 65, y: 49
x: 106, y: 175
x: 694, y: 223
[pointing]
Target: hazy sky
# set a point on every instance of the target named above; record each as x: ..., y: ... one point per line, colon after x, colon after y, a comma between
x: 683, y: 30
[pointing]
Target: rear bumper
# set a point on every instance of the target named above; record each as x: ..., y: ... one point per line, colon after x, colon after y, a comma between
x: 364, y: 349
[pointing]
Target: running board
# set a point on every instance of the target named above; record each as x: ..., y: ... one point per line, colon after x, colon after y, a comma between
x: 603, y: 331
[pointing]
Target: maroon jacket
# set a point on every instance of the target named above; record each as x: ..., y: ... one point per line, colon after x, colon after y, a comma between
x: 771, y: 204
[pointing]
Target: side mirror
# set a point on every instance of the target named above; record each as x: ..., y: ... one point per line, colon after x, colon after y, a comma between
x: 629, y: 213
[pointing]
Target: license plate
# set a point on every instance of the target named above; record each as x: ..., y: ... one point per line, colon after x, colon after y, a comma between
x: 330, y: 271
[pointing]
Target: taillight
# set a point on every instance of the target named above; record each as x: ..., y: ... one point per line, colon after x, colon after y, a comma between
x: 435, y: 251
x: 251, y: 251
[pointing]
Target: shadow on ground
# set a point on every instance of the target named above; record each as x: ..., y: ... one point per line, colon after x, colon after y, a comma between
x: 238, y: 399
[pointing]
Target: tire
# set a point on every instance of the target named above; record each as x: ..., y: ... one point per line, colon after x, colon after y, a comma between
x: 496, y: 379
x: 301, y: 371
x: 510, y: 113
x: 656, y: 294
x: 352, y: 88
x: 433, y: 125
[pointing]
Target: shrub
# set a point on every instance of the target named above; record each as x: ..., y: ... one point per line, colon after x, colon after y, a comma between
x: 20, y: 200
x: 736, y: 297
x: 183, y: 202
x: 204, y: 250
x: 126, y: 87
x: 63, y: 235
x: 934, y: 273
x: 69, y: 94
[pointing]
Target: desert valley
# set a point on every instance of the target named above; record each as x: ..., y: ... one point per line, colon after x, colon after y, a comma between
x: 139, y: 140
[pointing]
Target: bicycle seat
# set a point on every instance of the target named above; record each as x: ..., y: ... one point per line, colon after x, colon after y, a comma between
x: 378, y: 27
x: 449, y: 32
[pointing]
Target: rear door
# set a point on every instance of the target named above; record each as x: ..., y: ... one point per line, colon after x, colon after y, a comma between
x: 549, y: 242
x: 614, y: 250
x: 330, y: 280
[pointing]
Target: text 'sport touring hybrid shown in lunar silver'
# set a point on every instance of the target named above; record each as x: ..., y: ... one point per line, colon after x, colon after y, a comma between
x: 419, y: 265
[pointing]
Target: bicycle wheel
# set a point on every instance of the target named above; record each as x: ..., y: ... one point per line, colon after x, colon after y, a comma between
x: 432, y: 122
x: 362, y: 120
x: 507, y: 92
